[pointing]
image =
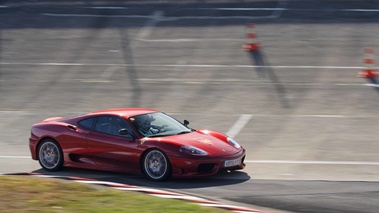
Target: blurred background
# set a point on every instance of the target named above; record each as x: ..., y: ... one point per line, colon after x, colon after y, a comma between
x: 296, y: 103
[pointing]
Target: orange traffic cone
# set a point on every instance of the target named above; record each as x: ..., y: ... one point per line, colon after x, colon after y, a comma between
x: 368, y: 71
x: 252, y: 43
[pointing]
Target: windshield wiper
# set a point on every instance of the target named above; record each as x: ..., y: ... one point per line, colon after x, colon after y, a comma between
x: 183, y: 132
x: 162, y: 135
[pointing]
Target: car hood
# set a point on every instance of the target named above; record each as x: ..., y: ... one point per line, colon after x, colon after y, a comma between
x: 212, y: 145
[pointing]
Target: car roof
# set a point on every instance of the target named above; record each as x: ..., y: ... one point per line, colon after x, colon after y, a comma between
x: 124, y: 112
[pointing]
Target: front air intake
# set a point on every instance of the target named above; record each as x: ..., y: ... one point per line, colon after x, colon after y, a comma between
x: 205, y: 168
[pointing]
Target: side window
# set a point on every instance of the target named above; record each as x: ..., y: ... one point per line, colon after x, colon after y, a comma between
x: 103, y: 124
x: 87, y: 123
x: 111, y: 125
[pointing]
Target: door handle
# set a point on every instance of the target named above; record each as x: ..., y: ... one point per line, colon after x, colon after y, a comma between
x: 72, y: 127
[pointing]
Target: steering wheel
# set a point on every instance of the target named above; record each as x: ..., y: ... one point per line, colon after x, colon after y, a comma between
x: 162, y: 128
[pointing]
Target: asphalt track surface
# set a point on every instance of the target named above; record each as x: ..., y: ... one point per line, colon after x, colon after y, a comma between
x: 308, y: 123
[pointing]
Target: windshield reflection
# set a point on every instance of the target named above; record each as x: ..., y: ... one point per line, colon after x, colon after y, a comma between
x: 158, y: 124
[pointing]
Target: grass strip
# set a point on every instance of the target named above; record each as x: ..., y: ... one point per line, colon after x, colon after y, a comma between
x: 32, y: 194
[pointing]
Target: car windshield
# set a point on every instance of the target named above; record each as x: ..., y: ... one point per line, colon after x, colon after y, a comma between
x: 158, y: 124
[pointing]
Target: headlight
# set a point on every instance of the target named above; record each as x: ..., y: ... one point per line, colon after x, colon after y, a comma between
x: 192, y: 150
x: 233, y: 142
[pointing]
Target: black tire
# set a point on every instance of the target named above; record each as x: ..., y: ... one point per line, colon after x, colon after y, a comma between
x: 156, y: 165
x: 50, y: 155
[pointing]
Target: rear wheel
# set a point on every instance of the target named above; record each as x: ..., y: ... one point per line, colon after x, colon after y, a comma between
x: 50, y: 155
x: 156, y: 165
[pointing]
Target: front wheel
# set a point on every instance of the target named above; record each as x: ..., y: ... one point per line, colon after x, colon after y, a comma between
x: 50, y: 155
x: 156, y: 165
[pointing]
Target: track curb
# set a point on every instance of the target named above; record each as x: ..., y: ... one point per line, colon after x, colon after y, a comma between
x: 149, y: 191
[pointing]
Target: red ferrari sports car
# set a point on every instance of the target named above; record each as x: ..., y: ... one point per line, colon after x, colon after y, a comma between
x: 133, y: 140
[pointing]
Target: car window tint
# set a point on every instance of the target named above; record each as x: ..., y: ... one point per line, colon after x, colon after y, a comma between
x: 86, y: 123
x: 112, y: 125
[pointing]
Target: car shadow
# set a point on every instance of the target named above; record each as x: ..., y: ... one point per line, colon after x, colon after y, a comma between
x: 220, y: 179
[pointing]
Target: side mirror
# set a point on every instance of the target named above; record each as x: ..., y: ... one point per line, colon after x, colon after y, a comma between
x: 123, y: 132
x: 186, y: 123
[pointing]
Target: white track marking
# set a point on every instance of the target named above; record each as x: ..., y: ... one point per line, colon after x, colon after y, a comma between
x: 109, y: 8
x: 371, y: 85
x: 277, y: 12
x: 91, y: 15
x: 281, y: 7
x: 314, y: 162
x: 162, y: 19
x: 193, y: 40
x: 237, y: 82
x: 368, y: 163
x: 246, y: 9
x: 239, y: 125
x: 360, y: 10
x: 182, y: 65
x: 15, y: 157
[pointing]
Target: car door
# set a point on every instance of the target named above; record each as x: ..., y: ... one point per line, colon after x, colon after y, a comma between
x: 109, y: 149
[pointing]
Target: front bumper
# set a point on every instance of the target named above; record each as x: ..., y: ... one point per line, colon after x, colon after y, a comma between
x: 33, y: 147
x: 206, y: 166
